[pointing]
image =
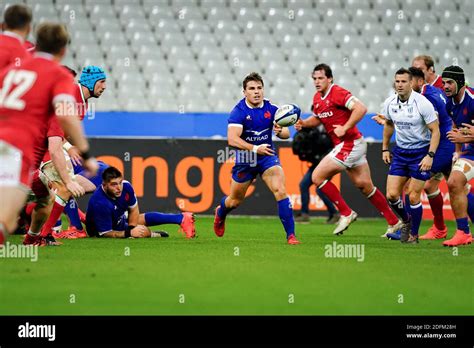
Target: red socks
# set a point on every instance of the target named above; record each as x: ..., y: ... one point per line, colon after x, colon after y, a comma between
x: 58, y: 209
x: 436, y: 204
x: 380, y: 203
x: 330, y: 190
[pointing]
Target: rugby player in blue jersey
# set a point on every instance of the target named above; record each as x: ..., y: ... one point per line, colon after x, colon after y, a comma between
x: 113, y: 212
x: 460, y: 107
x: 417, y: 139
x: 250, y: 130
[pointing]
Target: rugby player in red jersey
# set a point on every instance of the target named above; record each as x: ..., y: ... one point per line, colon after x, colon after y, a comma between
x: 339, y: 111
x: 30, y: 94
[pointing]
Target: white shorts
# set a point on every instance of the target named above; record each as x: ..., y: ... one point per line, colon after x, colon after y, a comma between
x: 350, y: 154
x: 464, y: 166
x: 14, y: 168
x: 48, y: 172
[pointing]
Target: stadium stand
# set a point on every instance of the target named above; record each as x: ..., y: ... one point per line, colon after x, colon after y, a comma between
x: 194, y: 53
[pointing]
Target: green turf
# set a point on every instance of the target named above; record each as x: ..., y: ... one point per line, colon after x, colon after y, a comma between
x: 260, y: 280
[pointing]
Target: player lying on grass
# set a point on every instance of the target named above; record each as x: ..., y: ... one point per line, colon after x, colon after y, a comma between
x: 250, y: 130
x: 113, y: 212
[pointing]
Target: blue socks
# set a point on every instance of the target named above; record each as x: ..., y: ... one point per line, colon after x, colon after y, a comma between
x: 72, y: 213
x: 223, y: 210
x: 153, y: 219
x: 399, y: 208
x: 463, y: 225
x: 416, y: 213
x: 285, y: 212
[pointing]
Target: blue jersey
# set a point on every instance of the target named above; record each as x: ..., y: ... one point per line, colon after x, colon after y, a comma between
x: 97, y: 178
x: 439, y: 99
x: 256, y: 123
x: 463, y: 113
x: 105, y: 213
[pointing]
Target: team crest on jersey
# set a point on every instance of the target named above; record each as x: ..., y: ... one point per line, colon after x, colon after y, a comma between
x: 127, y: 196
x: 327, y: 102
x: 410, y: 110
x: 248, y: 118
x: 267, y: 114
x: 464, y: 112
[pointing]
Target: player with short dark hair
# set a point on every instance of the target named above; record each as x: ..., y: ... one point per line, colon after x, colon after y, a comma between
x: 250, y: 131
x: 113, y: 212
x: 339, y: 111
x: 417, y: 138
x: 460, y: 107
x: 16, y: 28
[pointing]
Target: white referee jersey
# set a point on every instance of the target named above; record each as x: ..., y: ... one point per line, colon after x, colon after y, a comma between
x: 410, y: 119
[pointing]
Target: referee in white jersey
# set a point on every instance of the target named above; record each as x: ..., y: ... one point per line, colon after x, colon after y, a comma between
x: 413, y: 118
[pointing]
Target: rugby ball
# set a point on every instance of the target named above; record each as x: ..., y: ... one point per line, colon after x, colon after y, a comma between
x: 287, y: 115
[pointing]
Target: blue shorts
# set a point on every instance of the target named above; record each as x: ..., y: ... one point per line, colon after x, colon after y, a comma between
x: 442, y: 161
x: 96, y: 179
x: 405, y: 162
x: 244, y: 172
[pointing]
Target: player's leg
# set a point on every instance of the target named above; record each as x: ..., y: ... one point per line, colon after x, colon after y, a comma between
x: 461, y: 173
x: 274, y: 178
x: 332, y: 211
x: 61, y: 198
x: 229, y: 203
x: 414, y: 190
x: 435, y: 198
x: 184, y: 220
x: 305, y: 184
x: 361, y: 178
x: 13, y: 200
x: 395, y: 185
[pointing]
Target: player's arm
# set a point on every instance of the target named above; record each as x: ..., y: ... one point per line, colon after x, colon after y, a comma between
x: 57, y: 156
x: 233, y: 138
x: 358, y: 110
x: 388, y: 129
x: 73, y: 152
x: 310, y: 122
x: 133, y: 215
x: 281, y: 132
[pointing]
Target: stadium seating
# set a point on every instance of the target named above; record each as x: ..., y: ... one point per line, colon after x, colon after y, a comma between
x: 150, y: 46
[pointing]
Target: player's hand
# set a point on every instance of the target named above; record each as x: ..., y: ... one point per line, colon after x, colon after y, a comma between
x: 91, y: 166
x: 277, y: 129
x: 140, y: 231
x: 456, y: 135
x: 426, y: 163
x: 380, y: 119
x: 467, y: 130
x: 75, y: 189
x: 387, y: 157
x: 299, y: 125
x: 339, y: 130
x: 265, y: 150
x: 75, y: 156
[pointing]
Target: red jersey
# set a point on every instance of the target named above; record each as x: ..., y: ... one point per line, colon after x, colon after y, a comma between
x: 332, y: 110
x: 12, y: 49
x: 29, y: 93
x: 438, y: 83
x: 81, y: 102
x: 41, y: 149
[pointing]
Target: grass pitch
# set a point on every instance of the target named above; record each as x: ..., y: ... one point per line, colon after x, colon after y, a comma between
x: 250, y: 271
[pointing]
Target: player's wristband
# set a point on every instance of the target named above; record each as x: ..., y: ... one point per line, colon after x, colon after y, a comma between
x: 385, y: 150
x: 128, y: 231
x: 431, y: 154
x: 255, y: 149
x: 86, y: 155
x: 67, y: 146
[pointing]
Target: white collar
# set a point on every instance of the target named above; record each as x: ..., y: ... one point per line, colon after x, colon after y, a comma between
x: 14, y: 35
x: 82, y: 93
x: 44, y: 55
x: 327, y: 93
x: 254, y: 107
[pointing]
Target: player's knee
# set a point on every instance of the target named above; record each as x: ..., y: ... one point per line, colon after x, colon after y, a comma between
x: 414, y: 197
x: 364, y: 186
x: 233, y: 202
x: 455, y: 185
x: 392, y: 195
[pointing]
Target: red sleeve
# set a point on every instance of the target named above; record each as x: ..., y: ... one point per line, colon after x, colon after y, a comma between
x: 63, y: 88
x: 340, y: 96
x: 54, y: 128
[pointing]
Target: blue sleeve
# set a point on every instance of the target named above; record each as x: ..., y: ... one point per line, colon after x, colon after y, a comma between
x: 236, y: 117
x: 132, y: 198
x: 101, y: 216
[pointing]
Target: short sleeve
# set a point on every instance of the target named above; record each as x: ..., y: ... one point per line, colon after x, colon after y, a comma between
x: 54, y: 129
x: 385, y: 112
x: 236, y: 118
x: 63, y: 88
x: 427, y: 110
x: 132, y: 198
x: 101, y: 217
x: 341, y: 96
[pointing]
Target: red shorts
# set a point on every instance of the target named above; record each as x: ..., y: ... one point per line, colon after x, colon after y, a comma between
x: 15, y: 168
x: 38, y: 187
